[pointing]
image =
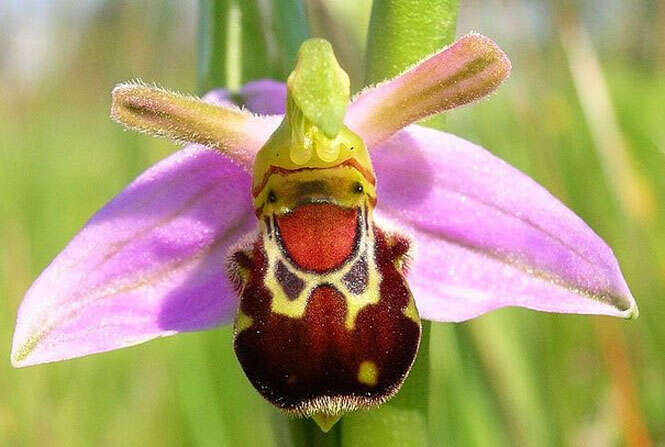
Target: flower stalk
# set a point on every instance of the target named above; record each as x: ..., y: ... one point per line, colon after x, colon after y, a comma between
x: 232, y: 44
x: 403, y: 32
x: 240, y: 41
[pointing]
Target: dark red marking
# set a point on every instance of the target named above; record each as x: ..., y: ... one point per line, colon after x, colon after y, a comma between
x: 295, y: 362
x: 356, y: 279
x: 319, y: 236
x: 291, y: 284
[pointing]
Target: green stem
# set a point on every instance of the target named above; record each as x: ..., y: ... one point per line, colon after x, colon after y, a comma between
x: 402, y: 32
x: 289, y: 26
x: 233, y: 44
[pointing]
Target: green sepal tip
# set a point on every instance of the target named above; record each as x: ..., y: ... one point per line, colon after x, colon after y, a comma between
x: 326, y: 421
x: 319, y: 87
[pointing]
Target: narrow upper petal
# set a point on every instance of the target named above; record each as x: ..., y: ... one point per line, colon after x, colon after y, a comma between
x: 232, y: 131
x: 488, y: 236
x: 148, y: 264
x: 466, y: 71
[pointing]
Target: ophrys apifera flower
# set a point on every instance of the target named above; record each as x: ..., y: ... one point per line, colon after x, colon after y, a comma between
x: 315, y: 214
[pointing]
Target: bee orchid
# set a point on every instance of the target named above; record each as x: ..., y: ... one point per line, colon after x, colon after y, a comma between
x: 325, y: 227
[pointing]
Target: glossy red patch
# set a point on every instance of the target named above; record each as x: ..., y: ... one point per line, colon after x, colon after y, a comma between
x: 320, y: 236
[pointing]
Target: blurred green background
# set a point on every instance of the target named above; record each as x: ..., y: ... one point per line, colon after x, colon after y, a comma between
x: 583, y: 113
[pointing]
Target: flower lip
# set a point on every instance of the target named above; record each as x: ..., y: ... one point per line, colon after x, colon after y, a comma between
x: 319, y: 235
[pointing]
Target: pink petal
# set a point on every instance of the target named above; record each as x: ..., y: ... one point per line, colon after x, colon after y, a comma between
x: 148, y: 264
x: 466, y: 71
x: 151, y: 262
x: 488, y: 236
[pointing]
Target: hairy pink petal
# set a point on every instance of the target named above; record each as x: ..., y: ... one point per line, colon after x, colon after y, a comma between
x: 151, y: 262
x: 468, y: 70
x: 488, y: 236
x: 148, y: 264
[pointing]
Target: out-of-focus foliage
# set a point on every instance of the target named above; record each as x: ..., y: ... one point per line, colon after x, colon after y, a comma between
x: 513, y: 377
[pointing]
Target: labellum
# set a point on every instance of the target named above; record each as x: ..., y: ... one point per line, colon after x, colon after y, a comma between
x: 326, y: 322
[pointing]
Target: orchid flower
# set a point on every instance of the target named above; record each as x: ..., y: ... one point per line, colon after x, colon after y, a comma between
x: 366, y: 223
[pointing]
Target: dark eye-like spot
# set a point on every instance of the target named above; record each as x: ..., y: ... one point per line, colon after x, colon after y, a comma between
x: 272, y: 198
x: 358, y: 188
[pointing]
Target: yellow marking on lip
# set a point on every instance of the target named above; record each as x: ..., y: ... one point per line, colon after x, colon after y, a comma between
x: 411, y: 311
x: 314, y: 150
x: 243, y: 321
x: 368, y: 373
x: 356, y: 303
x: 295, y: 308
